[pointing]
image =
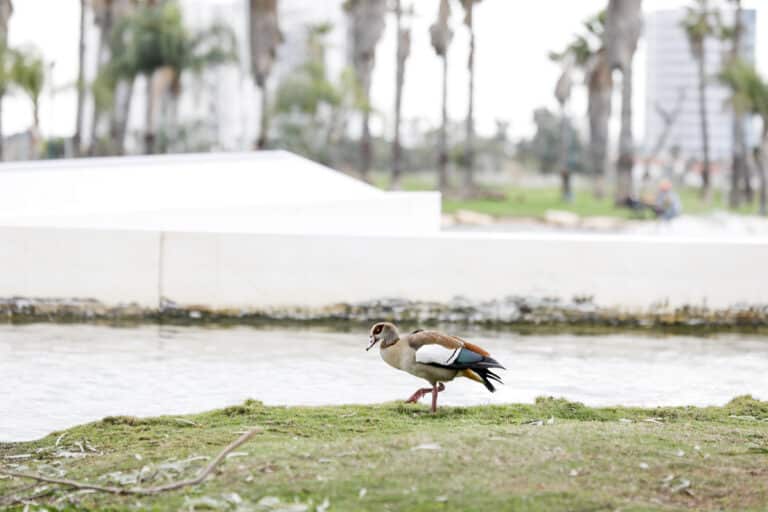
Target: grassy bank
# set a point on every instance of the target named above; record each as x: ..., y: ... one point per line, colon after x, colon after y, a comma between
x: 534, y: 202
x: 552, y: 455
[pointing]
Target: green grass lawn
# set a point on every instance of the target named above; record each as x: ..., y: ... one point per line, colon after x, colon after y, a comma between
x: 534, y: 202
x: 552, y: 455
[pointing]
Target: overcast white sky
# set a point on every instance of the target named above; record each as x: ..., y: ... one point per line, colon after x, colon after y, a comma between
x: 514, y: 75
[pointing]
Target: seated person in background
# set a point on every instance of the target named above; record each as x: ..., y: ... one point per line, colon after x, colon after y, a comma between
x: 668, y: 204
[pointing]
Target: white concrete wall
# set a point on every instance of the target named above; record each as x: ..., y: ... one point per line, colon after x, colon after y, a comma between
x: 259, y: 270
x: 395, y: 212
x: 111, y: 266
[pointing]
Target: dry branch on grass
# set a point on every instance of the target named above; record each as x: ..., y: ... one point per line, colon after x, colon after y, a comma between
x: 147, y: 491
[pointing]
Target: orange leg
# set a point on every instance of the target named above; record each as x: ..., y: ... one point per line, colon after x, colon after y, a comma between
x: 435, y: 391
x: 423, y: 391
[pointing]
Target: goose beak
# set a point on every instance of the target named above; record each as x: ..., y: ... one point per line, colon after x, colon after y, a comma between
x: 371, y: 342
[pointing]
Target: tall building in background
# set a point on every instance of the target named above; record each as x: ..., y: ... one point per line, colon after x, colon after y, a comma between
x: 671, y: 69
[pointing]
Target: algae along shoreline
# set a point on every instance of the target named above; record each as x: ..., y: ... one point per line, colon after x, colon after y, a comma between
x: 551, y: 455
x: 508, y: 312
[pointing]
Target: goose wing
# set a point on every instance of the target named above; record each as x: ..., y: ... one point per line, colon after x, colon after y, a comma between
x: 442, y: 350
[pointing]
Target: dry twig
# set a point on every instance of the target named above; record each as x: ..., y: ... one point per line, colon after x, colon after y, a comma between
x: 147, y: 491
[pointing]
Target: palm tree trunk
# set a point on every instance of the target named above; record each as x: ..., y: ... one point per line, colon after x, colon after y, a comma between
x: 2, y: 137
x: 263, y: 139
x: 442, y: 158
x: 599, y: 116
x: 76, y: 140
x: 704, y: 125
x: 96, y: 115
x: 401, y: 55
x: 35, y: 151
x: 469, y: 155
x: 149, y: 134
x: 739, y: 170
x: 762, y: 165
x: 626, y: 163
x: 739, y: 163
x: 119, y: 126
x: 565, y: 143
x: 749, y: 191
x: 366, y: 155
x: 173, y: 123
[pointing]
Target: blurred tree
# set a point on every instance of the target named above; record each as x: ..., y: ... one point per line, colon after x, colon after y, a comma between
x: 739, y: 166
x: 668, y: 119
x: 28, y: 74
x: 589, y: 55
x: 194, y: 52
x: 308, y: 103
x: 623, y: 25
x: 441, y: 35
x: 6, y: 10
x: 699, y: 24
x: 265, y: 37
x: 146, y: 36
x: 563, y: 94
x: 469, y: 158
x: 114, y: 80
x: 76, y: 139
x: 366, y: 22
x: 600, y: 91
x: 154, y: 38
x: 500, y: 149
x: 544, y: 148
x: 403, y: 51
x: 103, y: 92
x: 750, y: 96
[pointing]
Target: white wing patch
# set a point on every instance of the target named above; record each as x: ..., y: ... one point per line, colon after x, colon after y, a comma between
x: 437, y: 354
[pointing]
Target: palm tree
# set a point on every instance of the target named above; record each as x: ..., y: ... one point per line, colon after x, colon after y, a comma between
x: 563, y: 94
x: 403, y: 51
x: 622, y: 31
x: 588, y: 53
x: 441, y: 34
x: 195, y: 52
x: 699, y: 24
x: 6, y: 10
x: 309, y: 107
x: 265, y: 37
x: 600, y: 91
x: 154, y: 38
x: 469, y: 152
x: 28, y: 73
x: 112, y: 84
x: 750, y: 96
x: 366, y: 25
x: 739, y: 166
x: 76, y: 139
x: 147, y: 32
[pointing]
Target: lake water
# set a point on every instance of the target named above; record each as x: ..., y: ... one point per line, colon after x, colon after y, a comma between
x: 56, y: 376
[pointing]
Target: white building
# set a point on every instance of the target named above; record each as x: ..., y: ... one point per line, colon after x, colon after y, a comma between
x: 672, y: 69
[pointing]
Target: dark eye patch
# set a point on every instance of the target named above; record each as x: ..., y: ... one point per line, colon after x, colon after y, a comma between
x: 377, y: 330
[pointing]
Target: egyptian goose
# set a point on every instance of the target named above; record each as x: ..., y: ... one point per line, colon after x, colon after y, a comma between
x: 435, y: 357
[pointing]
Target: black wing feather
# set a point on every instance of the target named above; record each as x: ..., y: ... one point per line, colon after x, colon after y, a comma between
x: 478, y: 363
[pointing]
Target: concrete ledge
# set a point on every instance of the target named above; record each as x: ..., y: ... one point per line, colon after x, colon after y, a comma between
x: 544, y: 278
